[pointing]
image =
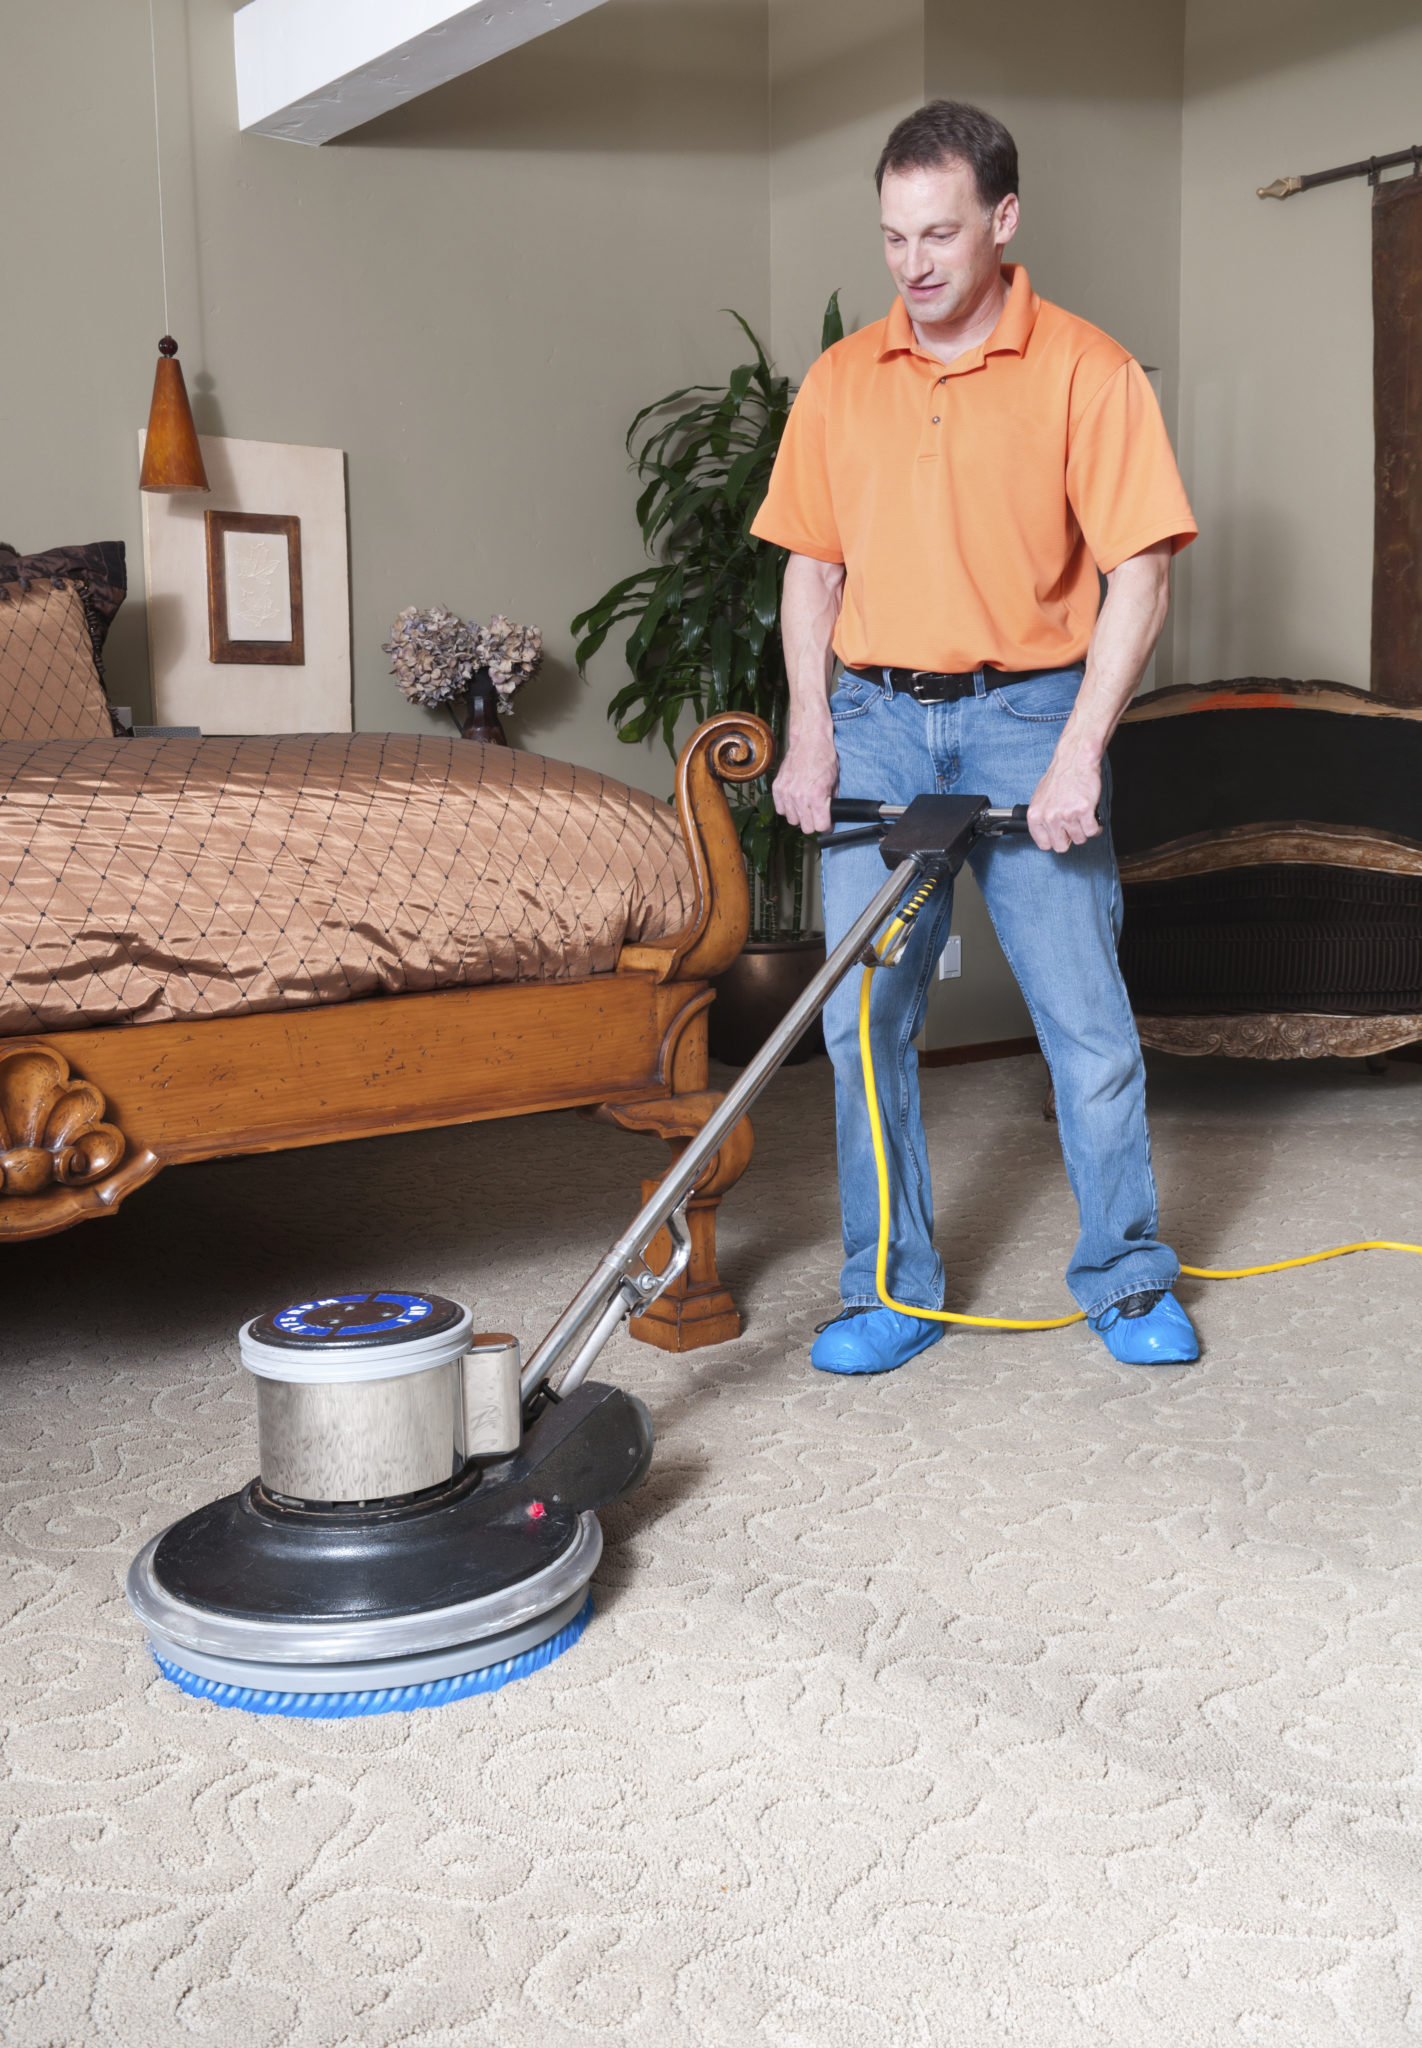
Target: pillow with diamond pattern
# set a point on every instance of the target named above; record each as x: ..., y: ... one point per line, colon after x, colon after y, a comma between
x: 100, y: 566
x: 49, y: 680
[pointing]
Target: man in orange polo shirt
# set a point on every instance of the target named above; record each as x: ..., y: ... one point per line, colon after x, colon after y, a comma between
x: 950, y: 483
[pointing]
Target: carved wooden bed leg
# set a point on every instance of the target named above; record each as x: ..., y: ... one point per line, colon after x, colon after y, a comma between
x: 696, y: 1309
x: 60, y: 1159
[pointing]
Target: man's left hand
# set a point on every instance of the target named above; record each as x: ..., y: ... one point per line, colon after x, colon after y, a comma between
x: 1062, y: 812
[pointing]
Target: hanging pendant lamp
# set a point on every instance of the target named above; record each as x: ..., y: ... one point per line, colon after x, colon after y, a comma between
x: 172, y: 459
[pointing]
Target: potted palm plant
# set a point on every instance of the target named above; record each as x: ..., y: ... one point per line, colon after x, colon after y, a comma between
x: 705, y: 637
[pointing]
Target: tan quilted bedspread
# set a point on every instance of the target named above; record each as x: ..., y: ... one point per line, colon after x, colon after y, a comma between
x: 150, y: 879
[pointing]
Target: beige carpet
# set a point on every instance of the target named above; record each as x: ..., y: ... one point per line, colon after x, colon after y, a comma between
x: 1015, y: 1697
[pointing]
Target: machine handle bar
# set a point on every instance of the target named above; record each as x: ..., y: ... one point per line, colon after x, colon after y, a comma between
x: 855, y: 810
x: 864, y: 810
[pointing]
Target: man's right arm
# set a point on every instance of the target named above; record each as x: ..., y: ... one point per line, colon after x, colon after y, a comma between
x: 809, y: 609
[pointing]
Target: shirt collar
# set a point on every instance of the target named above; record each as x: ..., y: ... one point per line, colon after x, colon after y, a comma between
x: 1009, y: 337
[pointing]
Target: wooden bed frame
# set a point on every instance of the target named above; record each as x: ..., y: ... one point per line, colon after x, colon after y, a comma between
x: 88, y: 1116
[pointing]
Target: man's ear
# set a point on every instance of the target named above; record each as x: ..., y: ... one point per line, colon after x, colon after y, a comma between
x: 1006, y: 219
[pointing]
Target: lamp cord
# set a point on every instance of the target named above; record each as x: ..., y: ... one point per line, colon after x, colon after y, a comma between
x: 158, y: 161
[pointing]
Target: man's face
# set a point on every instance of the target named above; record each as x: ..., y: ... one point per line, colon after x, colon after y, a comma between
x: 942, y: 244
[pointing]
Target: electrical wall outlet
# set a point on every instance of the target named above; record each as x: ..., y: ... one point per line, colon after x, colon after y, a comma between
x: 950, y: 960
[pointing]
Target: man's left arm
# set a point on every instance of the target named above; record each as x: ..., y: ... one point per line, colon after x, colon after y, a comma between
x: 1062, y: 813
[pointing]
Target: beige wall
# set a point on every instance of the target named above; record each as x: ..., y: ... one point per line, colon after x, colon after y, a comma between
x: 1276, y: 330
x: 1091, y: 92
x: 841, y: 74
x: 471, y: 296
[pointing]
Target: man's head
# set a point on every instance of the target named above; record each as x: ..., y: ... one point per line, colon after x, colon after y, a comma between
x: 948, y: 203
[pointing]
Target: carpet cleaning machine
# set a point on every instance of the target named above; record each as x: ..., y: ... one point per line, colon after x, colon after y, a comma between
x: 424, y: 1523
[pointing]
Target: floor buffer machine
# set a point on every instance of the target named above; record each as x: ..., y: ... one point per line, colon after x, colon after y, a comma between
x: 424, y: 1523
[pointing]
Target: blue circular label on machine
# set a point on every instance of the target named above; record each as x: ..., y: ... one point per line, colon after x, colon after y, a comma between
x: 382, y: 1316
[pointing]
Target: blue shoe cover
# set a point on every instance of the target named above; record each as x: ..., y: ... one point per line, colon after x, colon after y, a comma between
x: 1165, y: 1336
x: 872, y: 1340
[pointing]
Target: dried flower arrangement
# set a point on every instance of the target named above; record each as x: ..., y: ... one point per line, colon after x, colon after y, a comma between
x: 434, y: 654
x: 437, y: 656
x: 510, y: 653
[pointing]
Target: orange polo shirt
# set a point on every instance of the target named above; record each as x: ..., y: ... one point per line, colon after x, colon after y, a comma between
x: 972, y: 503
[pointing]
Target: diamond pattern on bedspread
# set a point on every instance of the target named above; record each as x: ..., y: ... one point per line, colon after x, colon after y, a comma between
x: 142, y: 880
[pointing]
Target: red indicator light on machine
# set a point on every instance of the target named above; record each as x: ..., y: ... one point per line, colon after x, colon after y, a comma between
x: 536, y: 1511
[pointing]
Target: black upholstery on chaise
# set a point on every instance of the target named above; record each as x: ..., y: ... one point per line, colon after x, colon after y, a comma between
x: 1224, y: 921
x: 1209, y: 770
x: 1277, y: 937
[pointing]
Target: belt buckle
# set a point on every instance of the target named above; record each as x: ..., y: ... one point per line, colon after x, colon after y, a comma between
x: 916, y: 689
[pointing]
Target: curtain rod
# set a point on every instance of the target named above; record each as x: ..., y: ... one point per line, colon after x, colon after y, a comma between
x: 1367, y: 168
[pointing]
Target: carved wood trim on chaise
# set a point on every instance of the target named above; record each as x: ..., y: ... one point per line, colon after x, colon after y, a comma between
x: 1269, y: 837
x: 86, y: 1117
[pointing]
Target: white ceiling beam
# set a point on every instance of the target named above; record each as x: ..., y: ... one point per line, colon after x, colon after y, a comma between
x: 310, y: 70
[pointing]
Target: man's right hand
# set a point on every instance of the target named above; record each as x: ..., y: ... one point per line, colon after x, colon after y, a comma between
x: 809, y: 772
x: 808, y: 778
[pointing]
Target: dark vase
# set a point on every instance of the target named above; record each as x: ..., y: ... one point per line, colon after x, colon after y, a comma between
x: 482, y: 721
x: 756, y: 991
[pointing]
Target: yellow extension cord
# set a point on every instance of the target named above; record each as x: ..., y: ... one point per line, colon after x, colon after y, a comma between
x: 881, y: 1168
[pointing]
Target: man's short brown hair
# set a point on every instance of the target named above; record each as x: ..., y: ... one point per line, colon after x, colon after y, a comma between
x: 952, y: 128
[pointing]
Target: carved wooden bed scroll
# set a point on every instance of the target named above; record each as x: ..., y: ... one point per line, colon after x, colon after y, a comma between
x: 88, y: 1116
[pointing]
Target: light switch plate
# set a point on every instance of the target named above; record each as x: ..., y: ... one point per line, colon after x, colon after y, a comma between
x: 950, y: 960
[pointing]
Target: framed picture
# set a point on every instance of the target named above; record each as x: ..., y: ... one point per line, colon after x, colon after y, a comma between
x: 249, y: 613
x: 254, y: 610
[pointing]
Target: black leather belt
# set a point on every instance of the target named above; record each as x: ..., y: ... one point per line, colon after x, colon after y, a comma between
x: 934, y: 686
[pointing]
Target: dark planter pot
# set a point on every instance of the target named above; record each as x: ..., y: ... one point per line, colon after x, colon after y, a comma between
x: 754, y: 994
x: 482, y: 720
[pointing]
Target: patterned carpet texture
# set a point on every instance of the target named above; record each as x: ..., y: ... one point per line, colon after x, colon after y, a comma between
x: 1014, y: 1697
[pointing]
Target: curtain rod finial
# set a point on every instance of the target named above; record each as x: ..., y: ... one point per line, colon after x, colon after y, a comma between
x: 1280, y: 189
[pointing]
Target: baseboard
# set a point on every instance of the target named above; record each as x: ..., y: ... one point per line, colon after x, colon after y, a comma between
x: 991, y: 1049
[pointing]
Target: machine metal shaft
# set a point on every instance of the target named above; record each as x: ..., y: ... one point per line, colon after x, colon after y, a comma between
x: 592, y: 1305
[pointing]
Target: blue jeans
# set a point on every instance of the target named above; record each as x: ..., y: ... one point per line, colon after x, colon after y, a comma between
x: 1057, y: 917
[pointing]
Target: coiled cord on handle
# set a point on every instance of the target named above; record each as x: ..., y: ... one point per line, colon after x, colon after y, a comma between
x: 883, y: 948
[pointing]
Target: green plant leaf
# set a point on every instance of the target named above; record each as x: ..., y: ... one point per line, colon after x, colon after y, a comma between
x: 765, y: 590
x: 636, y: 729
x: 612, y: 598
x: 659, y: 404
x: 832, y: 327
x: 695, y: 622
x: 743, y: 469
x: 761, y: 360
x: 722, y: 648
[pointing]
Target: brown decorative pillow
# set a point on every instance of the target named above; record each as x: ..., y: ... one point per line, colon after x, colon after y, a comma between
x: 99, y: 567
x: 49, y: 679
